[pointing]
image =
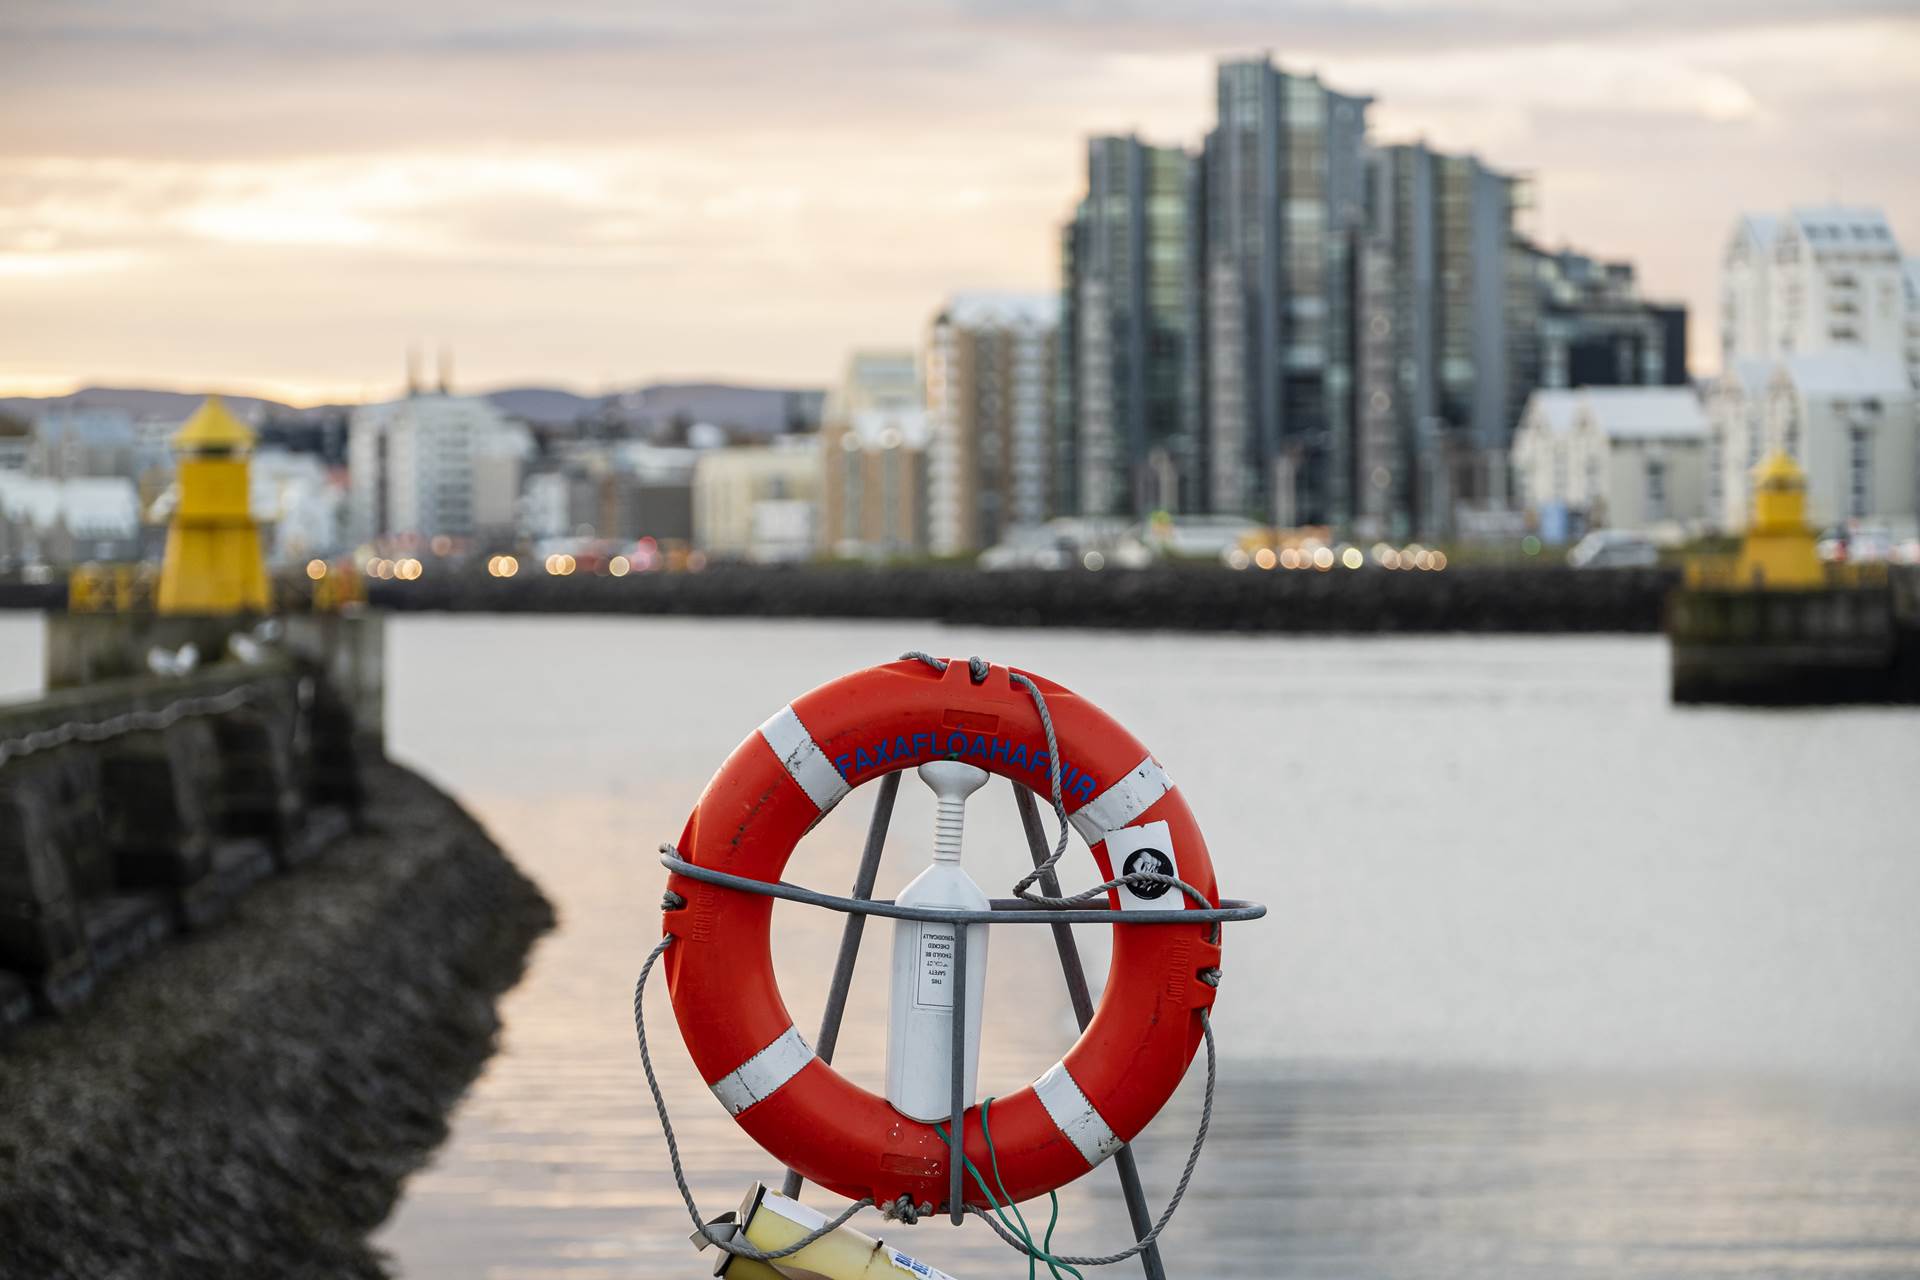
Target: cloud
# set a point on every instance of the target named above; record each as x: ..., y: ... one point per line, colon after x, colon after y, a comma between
x: 587, y: 189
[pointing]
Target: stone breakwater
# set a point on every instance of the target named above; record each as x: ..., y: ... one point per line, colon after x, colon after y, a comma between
x: 248, y: 1100
x: 1187, y: 598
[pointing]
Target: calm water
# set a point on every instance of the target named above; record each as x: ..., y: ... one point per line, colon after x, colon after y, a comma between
x: 1558, y: 981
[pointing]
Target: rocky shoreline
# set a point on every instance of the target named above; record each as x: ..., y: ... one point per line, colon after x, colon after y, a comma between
x: 249, y: 1100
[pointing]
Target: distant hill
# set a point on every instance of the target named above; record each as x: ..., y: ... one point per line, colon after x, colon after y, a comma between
x: 140, y: 402
x: 655, y: 409
x: 543, y: 406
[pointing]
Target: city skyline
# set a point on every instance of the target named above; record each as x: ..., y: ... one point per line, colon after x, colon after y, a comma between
x: 591, y: 199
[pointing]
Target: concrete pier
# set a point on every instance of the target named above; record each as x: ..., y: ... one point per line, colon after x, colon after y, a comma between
x: 138, y: 808
x: 1837, y: 644
x: 1163, y: 598
x: 248, y: 1098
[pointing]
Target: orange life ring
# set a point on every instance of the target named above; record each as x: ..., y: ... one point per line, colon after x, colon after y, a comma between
x: 779, y: 782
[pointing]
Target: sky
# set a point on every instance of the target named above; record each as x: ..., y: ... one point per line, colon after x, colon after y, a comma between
x: 280, y: 198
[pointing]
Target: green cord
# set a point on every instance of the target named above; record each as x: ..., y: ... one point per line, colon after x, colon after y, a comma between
x: 1035, y: 1253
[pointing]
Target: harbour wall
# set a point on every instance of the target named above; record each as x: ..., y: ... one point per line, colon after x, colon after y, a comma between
x: 246, y: 963
x: 1179, y: 598
x: 1837, y: 644
x: 248, y: 1099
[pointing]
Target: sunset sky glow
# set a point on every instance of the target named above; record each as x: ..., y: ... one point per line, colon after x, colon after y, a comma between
x: 595, y: 194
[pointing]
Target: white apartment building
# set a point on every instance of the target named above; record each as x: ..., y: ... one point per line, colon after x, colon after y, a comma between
x: 434, y: 464
x: 989, y: 371
x: 1746, y: 289
x: 1848, y: 418
x: 58, y: 521
x: 297, y: 504
x: 1912, y: 273
x: 1820, y: 355
x: 1612, y: 458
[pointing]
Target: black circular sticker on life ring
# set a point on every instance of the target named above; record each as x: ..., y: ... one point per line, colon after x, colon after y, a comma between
x: 1153, y: 862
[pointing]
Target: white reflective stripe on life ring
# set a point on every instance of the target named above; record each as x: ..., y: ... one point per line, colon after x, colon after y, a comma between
x: 1075, y: 1116
x: 1122, y: 802
x: 762, y: 1075
x: 805, y: 762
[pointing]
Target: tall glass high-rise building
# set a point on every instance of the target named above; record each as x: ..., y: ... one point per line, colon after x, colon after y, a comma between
x: 1284, y: 190
x: 1437, y: 334
x: 1128, y: 396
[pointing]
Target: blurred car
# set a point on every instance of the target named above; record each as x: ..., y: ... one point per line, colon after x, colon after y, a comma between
x: 1067, y: 544
x: 1031, y: 548
x: 1201, y: 537
x: 1864, y: 544
x: 1614, y: 549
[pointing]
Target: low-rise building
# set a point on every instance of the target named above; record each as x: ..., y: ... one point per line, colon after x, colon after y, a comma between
x: 619, y: 493
x: 300, y: 510
x: 873, y: 455
x: 16, y: 442
x: 54, y: 521
x: 1848, y: 419
x: 1612, y: 458
x: 730, y: 486
x: 71, y: 440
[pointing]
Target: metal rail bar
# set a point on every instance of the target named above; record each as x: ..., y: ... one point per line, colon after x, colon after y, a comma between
x: 1004, y: 910
x: 1082, y: 999
x: 850, y: 935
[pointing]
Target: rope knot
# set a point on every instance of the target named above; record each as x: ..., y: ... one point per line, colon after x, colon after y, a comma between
x: 904, y: 1210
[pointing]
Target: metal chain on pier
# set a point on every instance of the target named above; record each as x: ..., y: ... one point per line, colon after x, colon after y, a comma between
x: 124, y: 723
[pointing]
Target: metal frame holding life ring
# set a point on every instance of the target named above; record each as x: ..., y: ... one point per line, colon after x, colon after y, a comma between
x: 779, y: 783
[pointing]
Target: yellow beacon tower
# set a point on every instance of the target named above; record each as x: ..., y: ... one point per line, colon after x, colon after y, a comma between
x: 1778, y: 553
x: 213, y: 563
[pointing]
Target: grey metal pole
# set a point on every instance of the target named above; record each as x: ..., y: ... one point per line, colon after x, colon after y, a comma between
x: 850, y: 937
x: 957, y: 1119
x: 1123, y: 1163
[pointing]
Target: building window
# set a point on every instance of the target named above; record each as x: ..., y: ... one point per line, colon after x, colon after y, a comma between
x: 1859, y: 472
x: 1656, y: 489
x: 1716, y: 474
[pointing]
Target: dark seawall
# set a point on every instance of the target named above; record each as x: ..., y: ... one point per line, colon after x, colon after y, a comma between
x: 1167, y: 598
x: 248, y: 1100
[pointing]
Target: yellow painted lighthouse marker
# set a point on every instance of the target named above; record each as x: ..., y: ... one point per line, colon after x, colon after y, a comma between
x: 213, y: 563
x: 1778, y: 553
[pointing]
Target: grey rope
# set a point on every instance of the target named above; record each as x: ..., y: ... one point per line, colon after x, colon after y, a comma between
x: 977, y: 669
x: 1166, y: 1215
x: 124, y: 723
x: 903, y: 1209
x: 700, y: 1225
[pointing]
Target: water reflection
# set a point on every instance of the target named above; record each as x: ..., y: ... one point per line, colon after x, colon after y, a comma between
x: 1558, y: 981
